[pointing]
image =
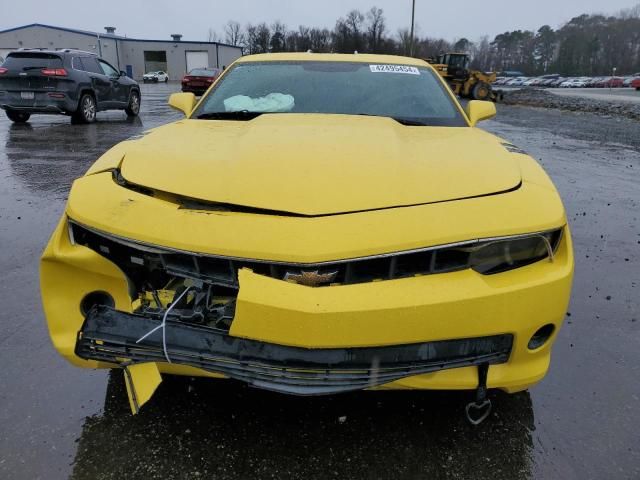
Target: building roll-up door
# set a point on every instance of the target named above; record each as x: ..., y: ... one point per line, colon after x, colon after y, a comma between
x: 197, y: 59
x: 155, y: 60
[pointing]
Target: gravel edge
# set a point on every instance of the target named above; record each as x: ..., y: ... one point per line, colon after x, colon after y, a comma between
x: 540, y: 98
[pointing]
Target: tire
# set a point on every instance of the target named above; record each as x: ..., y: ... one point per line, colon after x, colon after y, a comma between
x: 133, y: 109
x: 17, y: 117
x: 481, y: 91
x: 87, y: 108
x: 166, y: 79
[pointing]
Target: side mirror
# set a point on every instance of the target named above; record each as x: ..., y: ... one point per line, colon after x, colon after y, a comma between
x: 123, y: 73
x: 183, y: 102
x: 478, y: 110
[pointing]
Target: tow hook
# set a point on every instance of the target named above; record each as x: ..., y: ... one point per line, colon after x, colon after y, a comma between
x: 478, y: 411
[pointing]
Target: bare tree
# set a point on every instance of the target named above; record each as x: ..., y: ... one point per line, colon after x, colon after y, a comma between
x: 354, y: 22
x: 404, y: 41
x: 375, y: 28
x: 212, y: 35
x: 250, y: 38
x: 320, y: 39
x: 278, y: 37
x: 341, y: 37
x: 262, y: 38
x: 233, y: 33
x: 463, y: 45
x: 304, y: 39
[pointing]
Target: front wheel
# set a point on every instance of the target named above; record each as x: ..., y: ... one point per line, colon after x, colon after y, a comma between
x: 133, y: 108
x: 17, y: 117
x: 86, y: 112
x: 481, y: 91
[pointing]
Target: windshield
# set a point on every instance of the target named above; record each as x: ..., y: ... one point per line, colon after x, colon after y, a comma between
x: 412, y: 95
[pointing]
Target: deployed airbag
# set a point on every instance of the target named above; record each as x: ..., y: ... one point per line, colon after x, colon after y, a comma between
x: 272, y: 103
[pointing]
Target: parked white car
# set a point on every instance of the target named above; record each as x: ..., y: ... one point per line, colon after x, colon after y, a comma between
x: 580, y: 82
x: 155, y: 77
x: 517, y: 82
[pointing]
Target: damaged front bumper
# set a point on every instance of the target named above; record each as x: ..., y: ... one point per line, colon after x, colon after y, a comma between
x: 421, y: 332
x: 112, y: 336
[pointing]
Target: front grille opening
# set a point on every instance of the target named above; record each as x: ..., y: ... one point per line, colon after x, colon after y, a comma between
x: 449, y: 260
x: 367, y: 270
x: 413, y: 264
x: 180, y: 264
x: 217, y: 269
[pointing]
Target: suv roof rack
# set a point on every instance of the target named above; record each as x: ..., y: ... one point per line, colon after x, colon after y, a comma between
x: 63, y: 50
x: 75, y: 50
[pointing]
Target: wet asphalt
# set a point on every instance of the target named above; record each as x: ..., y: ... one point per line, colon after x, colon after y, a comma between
x: 582, y: 421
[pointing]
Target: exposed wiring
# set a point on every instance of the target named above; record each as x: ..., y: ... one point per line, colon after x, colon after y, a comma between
x: 163, y: 325
x: 547, y: 244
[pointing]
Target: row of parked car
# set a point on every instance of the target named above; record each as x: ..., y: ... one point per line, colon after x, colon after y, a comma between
x: 557, y: 81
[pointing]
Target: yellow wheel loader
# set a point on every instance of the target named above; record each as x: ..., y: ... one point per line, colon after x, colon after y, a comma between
x: 466, y: 83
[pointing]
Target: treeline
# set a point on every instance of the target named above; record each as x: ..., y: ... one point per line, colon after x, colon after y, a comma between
x: 586, y: 45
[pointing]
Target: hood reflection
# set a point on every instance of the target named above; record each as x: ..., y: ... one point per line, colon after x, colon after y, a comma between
x: 203, y: 427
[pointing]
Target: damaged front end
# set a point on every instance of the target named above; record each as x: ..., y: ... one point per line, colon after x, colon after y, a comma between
x: 184, y: 306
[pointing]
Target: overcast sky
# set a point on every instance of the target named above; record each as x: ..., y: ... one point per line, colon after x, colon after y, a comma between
x: 193, y: 18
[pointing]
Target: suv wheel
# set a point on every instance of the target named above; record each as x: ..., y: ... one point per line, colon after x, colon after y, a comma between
x: 18, y: 117
x: 86, y: 112
x: 134, y: 104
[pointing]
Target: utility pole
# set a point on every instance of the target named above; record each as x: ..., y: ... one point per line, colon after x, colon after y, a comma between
x: 611, y: 81
x: 413, y: 18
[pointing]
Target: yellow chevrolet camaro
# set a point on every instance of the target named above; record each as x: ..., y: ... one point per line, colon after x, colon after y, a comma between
x: 318, y: 223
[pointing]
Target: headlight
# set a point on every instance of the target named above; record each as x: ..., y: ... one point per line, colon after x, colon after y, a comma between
x: 495, y: 256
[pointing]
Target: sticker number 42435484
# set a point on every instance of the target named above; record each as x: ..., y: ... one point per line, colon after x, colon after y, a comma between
x: 394, y: 69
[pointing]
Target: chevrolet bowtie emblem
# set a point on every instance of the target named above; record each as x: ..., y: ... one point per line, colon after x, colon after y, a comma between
x: 310, y: 279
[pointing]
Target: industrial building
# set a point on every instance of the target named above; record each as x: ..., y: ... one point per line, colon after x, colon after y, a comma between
x: 135, y: 56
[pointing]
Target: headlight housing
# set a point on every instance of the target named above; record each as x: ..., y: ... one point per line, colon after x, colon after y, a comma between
x: 501, y: 255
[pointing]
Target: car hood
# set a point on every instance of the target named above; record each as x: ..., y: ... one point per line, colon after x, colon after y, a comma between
x: 308, y: 164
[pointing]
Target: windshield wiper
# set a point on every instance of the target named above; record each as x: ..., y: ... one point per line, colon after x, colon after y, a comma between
x: 239, y: 115
x: 401, y: 120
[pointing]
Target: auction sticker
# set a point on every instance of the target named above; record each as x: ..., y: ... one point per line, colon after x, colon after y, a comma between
x: 394, y: 69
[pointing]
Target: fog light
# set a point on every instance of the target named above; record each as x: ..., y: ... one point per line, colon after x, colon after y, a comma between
x: 541, y: 336
x: 95, y: 298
